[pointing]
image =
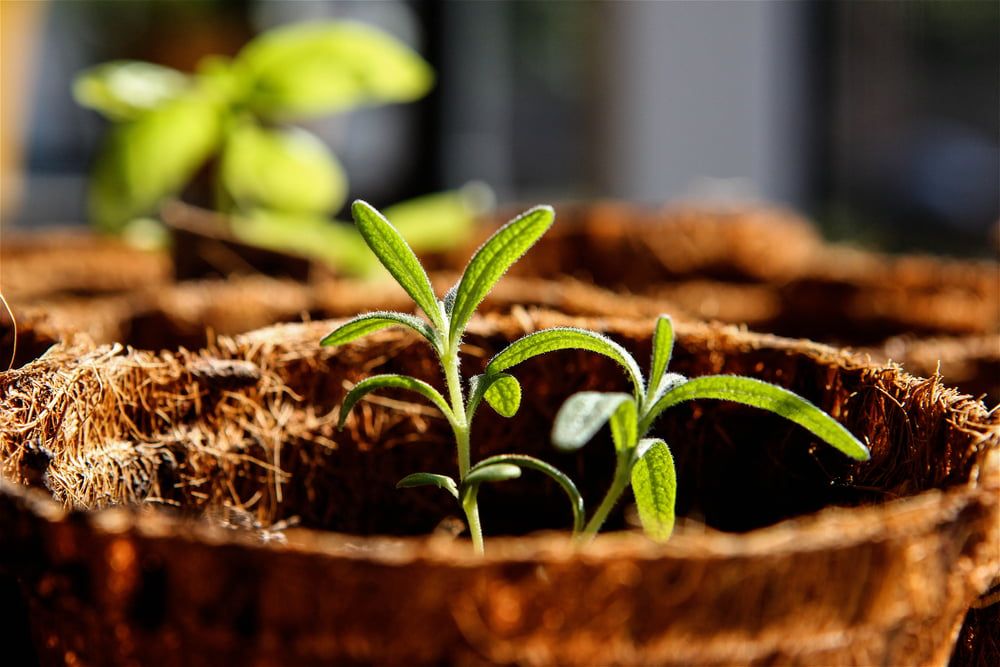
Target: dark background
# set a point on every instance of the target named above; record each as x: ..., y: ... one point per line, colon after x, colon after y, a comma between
x: 880, y: 120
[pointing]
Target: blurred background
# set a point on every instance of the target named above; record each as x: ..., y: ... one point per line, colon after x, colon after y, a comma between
x: 880, y: 120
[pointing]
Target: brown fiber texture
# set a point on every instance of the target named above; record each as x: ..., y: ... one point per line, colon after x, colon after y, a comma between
x: 68, y: 262
x: 836, y: 562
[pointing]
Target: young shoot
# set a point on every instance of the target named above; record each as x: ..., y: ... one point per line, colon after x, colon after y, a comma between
x: 447, y: 319
x: 645, y: 463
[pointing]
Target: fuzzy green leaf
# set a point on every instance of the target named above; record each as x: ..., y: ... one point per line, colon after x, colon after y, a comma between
x: 505, y: 398
x: 398, y: 258
x: 493, y: 259
x: 429, y: 479
x: 654, y: 483
x: 125, y: 89
x: 583, y: 414
x: 504, y: 395
x: 316, y: 68
x: 377, y: 382
x: 362, y: 325
x: 566, y: 338
x: 663, y: 346
x: 285, y: 169
x: 493, y: 472
x: 151, y: 157
x: 524, y: 461
x: 760, y: 394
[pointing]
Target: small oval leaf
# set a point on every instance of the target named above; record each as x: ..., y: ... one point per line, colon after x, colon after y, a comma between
x: 376, y: 382
x: 582, y: 415
x: 429, y: 479
x: 766, y: 396
x: 398, y: 258
x: 362, y: 325
x: 566, y: 338
x: 494, y: 472
x: 493, y: 259
x: 654, y: 484
x: 504, y: 395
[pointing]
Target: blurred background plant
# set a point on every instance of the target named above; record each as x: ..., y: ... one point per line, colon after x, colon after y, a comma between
x: 277, y: 183
x: 879, y: 120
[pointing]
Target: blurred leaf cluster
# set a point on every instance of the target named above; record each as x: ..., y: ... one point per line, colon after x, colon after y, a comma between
x: 279, y: 183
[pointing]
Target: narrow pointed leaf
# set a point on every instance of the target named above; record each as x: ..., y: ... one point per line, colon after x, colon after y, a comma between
x: 583, y: 415
x: 398, y: 258
x: 493, y: 259
x: 663, y: 347
x: 362, y: 325
x: 429, y: 479
x: 760, y: 394
x: 625, y: 426
x: 504, y: 395
x: 654, y: 483
x: 494, y: 472
x: 524, y: 461
x: 449, y: 299
x: 566, y: 338
x: 377, y: 382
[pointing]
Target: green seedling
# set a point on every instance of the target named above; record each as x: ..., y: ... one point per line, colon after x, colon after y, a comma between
x: 447, y: 319
x: 646, y: 463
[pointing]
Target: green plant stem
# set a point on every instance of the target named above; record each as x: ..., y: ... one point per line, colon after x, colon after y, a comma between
x: 621, y: 480
x: 451, y: 363
x: 452, y: 378
x: 471, y: 508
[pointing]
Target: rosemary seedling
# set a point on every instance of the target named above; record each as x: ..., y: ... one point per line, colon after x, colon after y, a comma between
x: 644, y: 463
x: 447, y: 319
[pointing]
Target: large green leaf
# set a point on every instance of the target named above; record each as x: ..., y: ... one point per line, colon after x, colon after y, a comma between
x: 566, y: 338
x: 493, y: 259
x: 524, y: 461
x: 285, y: 169
x: 125, y: 89
x: 377, y: 382
x: 760, y: 394
x: 583, y: 414
x: 310, y: 69
x: 654, y: 483
x: 429, y: 479
x: 362, y: 325
x: 398, y: 258
x: 336, y: 244
x: 151, y: 157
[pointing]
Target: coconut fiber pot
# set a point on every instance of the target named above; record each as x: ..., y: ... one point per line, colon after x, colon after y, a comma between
x: 787, y: 553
